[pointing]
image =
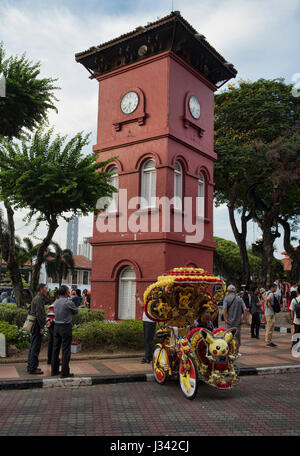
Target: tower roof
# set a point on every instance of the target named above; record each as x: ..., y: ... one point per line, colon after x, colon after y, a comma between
x: 170, y: 33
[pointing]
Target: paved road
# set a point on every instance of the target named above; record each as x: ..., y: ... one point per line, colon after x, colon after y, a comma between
x: 260, y: 405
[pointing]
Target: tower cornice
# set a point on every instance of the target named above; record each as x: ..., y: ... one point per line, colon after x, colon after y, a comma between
x: 171, y: 33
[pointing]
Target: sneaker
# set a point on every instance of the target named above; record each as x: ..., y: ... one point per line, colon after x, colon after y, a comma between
x: 271, y: 345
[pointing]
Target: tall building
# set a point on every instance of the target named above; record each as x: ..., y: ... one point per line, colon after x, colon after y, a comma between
x: 85, y: 248
x: 156, y: 89
x: 72, y: 235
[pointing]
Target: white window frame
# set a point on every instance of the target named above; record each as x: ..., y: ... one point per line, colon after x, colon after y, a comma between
x: 127, y: 291
x: 201, y: 196
x: 114, y: 181
x: 178, y: 185
x: 148, y: 184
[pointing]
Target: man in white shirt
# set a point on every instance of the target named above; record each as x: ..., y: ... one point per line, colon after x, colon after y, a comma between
x: 294, y: 312
x: 149, y: 330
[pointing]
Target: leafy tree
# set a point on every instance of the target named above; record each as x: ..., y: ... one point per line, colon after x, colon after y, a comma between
x: 59, y: 263
x: 276, y: 269
x: 228, y: 263
x: 28, y: 97
x: 292, y: 251
x: 256, y: 124
x: 276, y: 198
x: 24, y: 108
x: 52, y: 178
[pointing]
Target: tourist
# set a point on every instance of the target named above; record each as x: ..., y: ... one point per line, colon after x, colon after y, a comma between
x: 88, y: 300
x: 84, y: 294
x: 76, y: 298
x: 255, y: 308
x: 64, y: 309
x: 37, y: 309
x: 295, y: 316
x: 234, y: 312
x: 50, y: 327
x: 278, y: 292
x: 4, y: 297
x: 262, y: 298
x: 270, y: 316
x: 149, y: 330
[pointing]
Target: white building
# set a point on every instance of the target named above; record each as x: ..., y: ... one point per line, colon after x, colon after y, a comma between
x: 85, y: 248
x: 80, y: 278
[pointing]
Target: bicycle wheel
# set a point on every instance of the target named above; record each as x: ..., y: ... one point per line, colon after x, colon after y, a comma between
x: 188, y: 377
x: 161, y: 364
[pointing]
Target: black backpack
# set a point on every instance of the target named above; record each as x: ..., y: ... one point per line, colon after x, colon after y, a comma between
x: 276, y: 304
x: 297, y: 308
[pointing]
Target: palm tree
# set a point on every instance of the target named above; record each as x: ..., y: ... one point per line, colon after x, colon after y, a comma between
x: 59, y: 263
x: 30, y: 249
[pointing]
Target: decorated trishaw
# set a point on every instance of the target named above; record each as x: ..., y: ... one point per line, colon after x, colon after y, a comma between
x: 192, y: 355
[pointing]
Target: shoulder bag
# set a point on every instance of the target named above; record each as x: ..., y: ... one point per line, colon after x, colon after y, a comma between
x: 29, y: 323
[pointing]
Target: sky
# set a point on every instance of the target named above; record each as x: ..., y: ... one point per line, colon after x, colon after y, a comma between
x: 260, y: 37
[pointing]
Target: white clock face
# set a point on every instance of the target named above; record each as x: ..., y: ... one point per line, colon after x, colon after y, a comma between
x: 194, y: 106
x: 129, y: 102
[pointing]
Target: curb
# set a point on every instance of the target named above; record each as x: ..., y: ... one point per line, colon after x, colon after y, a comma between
x: 75, y: 382
x: 268, y: 370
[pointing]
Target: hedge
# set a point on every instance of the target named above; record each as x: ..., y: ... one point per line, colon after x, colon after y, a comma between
x: 88, y: 327
x: 111, y: 335
x: 88, y: 315
x: 11, y: 313
x: 10, y: 331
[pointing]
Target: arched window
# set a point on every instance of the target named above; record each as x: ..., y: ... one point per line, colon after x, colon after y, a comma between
x: 148, y: 190
x: 114, y: 180
x: 201, y: 196
x: 127, y: 291
x: 178, y: 186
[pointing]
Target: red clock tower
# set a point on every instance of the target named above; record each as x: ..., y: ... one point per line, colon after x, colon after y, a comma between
x: 156, y: 117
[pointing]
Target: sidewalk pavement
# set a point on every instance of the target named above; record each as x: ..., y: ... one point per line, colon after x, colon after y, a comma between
x: 256, y: 359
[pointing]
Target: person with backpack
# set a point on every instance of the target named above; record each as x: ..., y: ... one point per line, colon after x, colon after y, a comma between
x: 271, y: 307
x: 295, y: 315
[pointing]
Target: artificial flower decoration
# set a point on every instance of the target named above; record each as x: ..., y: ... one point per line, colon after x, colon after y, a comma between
x: 177, y: 295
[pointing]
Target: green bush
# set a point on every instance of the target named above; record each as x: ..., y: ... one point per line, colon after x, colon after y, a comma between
x: 88, y: 315
x: 111, y: 335
x: 85, y: 315
x: 10, y: 331
x: 22, y: 340
x: 12, y: 314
